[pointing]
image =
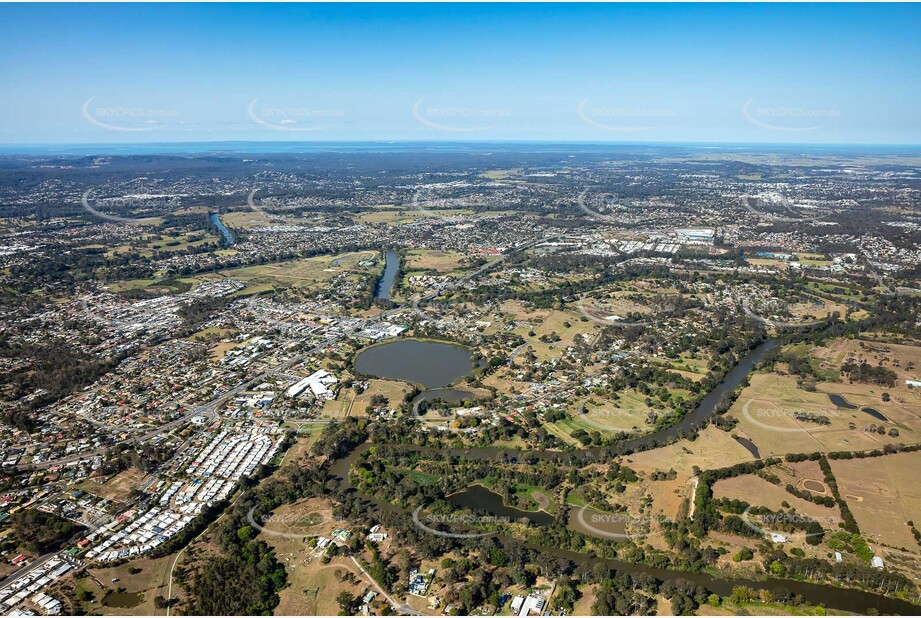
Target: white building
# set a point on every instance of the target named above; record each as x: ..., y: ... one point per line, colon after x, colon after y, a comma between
x: 318, y: 382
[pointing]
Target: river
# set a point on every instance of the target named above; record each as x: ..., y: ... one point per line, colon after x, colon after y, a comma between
x: 385, y: 283
x: 227, y: 234
x: 831, y: 596
x: 847, y: 599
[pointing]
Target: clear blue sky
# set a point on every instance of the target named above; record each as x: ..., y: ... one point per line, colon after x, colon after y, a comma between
x: 723, y: 73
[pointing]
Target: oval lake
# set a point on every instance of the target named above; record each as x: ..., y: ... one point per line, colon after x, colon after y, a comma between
x: 429, y: 363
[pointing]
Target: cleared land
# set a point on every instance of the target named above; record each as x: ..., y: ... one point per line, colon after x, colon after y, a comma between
x: 884, y: 494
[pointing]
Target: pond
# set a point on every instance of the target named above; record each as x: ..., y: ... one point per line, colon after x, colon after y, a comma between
x: 123, y: 599
x: 841, y: 402
x: 597, y: 524
x: 814, y: 486
x: 447, y: 395
x: 479, y: 498
x: 748, y: 444
x: 875, y: 413
x: 428, y: 363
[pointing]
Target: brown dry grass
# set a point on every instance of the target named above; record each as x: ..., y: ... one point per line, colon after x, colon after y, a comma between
x: 883, y: 493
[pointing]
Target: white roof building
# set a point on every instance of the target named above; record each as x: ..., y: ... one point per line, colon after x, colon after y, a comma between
x: 318, y: 382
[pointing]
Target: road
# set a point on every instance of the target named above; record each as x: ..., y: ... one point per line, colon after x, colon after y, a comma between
x: 27, y: 569
x: 210, y: 409
x: 401, y: 609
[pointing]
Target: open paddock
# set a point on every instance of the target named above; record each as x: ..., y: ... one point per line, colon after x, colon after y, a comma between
x: 883, y: 493
x: 759, y: 492
x: 713, y: 448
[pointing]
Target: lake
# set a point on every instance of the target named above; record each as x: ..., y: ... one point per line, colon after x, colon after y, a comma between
x: 428, y: 363
x: 385, y: 283
x: 479, y: 498
x: 447, y: 395
x: 834, y: 597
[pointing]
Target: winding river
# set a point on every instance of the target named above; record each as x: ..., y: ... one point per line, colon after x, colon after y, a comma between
x: 847, y: 599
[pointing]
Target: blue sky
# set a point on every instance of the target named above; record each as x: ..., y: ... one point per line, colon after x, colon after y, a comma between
x: 809, y: 73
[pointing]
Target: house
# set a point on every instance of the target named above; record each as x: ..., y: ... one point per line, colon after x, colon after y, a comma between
x: 419, y: 583
x: 778, y: 538
x: 533, y: 603
x: 877, y: 563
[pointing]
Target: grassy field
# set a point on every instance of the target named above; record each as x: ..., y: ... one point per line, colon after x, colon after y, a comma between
x: 400, y: 215
x: 883, y: 493
x: 629, y: 413
x: 393, y: 390
x: 166, y: 241
x: 502, y: 174
x: 432, y: 259
x: 759, y: 492
x: 548, y: 321
x: 117, y: 487
x: 713, y: 448
x: 312, y: 585
x: 766, y: 411
x: 766, y: 609
x: 301, y: 273
x: 144, y: 579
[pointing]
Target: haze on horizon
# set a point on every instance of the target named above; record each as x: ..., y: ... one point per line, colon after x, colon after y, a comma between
x: 119, y: 74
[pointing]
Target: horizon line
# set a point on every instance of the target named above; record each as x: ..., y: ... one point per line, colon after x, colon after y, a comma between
x: 8, y: 147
